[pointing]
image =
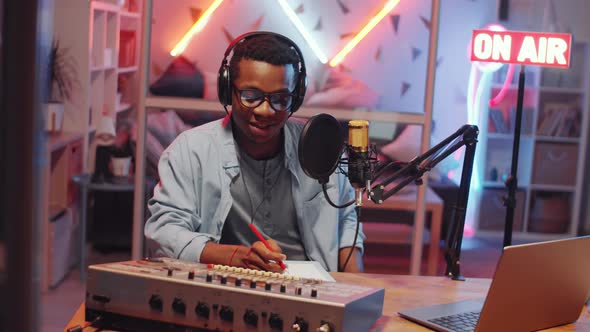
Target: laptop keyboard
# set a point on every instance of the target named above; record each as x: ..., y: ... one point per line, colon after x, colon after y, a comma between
x: 462, y: 322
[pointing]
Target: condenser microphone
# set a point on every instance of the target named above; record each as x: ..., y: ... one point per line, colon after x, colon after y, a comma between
x: 359, y: 165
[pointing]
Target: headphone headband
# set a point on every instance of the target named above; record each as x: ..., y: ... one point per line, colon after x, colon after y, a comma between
x: 225, y: 87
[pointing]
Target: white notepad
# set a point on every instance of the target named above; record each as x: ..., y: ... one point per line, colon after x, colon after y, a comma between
x: 308, y: 269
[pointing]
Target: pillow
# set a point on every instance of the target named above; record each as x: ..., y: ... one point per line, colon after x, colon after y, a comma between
x: 181, y: 79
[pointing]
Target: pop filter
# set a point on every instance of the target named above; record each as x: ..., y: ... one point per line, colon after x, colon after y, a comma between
x: 320, y: 146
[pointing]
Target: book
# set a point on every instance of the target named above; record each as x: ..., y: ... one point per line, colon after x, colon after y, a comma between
x: 307, y: 269
x: 498, y: 120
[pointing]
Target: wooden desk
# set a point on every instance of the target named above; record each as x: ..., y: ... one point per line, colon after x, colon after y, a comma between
x: 405, y: 200
x: 405, y: 292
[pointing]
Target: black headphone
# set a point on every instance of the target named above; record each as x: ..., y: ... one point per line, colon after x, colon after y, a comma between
x: 224, y: 82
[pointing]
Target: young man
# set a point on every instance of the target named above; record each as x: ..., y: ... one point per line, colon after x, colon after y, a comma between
x: 217, y: 179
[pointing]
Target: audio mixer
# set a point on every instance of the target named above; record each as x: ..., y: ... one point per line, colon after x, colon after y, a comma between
x: 164, y: 294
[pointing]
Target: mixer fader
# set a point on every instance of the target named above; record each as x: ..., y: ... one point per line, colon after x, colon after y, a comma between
x: 165, y: 294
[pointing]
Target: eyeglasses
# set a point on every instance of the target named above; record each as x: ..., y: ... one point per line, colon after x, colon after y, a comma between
x: 252, y: 98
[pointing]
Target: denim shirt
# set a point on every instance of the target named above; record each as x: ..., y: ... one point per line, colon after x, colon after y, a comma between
x: 192, y: 200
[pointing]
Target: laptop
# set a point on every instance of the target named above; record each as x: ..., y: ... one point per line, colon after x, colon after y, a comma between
x: 535, y: 286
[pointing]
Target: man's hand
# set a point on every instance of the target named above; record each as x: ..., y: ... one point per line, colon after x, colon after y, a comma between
x: 256, y: 257
x: 259, y: 257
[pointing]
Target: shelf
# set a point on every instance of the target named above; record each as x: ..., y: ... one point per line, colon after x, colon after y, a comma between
x: 101, y: 68
x: 131, y: 69
x: 58, y: 141
x: 126, y: 14
x: 122, y: 107
x: 557, y: 139
x: 493, y: 184
x: 195, y: 104
x: 561, y: 90
x: 506, y: 136
x: 553, y: 187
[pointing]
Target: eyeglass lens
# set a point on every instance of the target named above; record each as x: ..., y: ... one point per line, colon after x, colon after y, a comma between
x: 279, y: 101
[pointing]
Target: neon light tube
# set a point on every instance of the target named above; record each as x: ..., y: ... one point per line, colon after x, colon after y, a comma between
x: 299, y: 25
x: 359, y: 36
x: 201, y: 22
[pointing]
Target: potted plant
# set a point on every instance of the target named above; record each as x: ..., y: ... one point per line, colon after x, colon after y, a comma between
x: 61, y: 82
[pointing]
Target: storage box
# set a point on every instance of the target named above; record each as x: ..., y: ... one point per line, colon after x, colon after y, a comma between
x: 492, y: 212
x: 555, y: 164
x: 550, y: 212
x: 64, y: 249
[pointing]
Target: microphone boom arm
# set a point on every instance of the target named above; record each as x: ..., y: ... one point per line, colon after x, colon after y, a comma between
x: 413, y: 172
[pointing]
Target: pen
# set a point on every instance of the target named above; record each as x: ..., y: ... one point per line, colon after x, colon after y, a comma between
x: 259, y: 236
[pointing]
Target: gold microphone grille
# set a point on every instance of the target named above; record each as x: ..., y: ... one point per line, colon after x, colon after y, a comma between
x: 358, y: 135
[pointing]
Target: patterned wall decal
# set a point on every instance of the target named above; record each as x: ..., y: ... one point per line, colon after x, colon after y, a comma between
x: 343, y: 7
x: 378, y: 54
x: 405, y: 87
x: 415, y: 53
x: 195, y: 13
x: 344, y: 69
x: 228, y: 36
x: 347, y: 35
x: 395, y: 22
x: 426, y: 22
x: 318, y: 26
x: 300, y: 9
x: 257, y: 23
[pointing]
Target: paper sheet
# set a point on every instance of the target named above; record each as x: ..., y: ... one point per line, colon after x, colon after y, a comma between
x: 307, y: 269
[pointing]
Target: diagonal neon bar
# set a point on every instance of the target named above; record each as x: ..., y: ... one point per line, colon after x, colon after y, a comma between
x: 299, y: 25
x: 186, y: 39
x: 359, y: 36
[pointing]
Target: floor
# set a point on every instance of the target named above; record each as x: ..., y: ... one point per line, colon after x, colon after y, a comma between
x: 479, y: 257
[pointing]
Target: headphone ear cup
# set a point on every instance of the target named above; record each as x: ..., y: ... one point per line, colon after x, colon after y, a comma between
x: 224, y: 86
x: 300, y: 88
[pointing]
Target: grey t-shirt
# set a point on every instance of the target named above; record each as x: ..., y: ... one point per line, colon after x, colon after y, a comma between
x: 262, y: 193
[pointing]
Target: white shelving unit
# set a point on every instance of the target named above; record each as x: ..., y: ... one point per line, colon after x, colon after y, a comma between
x: 551, y: 156
x: 93, y: 33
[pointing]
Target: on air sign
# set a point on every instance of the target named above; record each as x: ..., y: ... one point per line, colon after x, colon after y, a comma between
x: 527, y: 48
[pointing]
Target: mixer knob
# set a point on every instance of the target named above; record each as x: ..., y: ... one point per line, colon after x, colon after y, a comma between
x: 253, y: 283
x: 191, y: 275
x: 275, y: 322
x: 209, y: 277
x: 300, y: 325
x: 202, y: 310
x: 268, y: 286
x: 169, y: 272
x: 283, y: 288
x: 251, y: 318
x: 178, y: 306
x: 298, y: 290
x: 314, y: 292
x: 156, y: 303
x: 224, y: 280
x: 226, y: 313
x: 238, y: 282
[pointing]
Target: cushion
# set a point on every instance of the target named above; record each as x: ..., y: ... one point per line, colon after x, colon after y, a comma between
x: 181, y: 79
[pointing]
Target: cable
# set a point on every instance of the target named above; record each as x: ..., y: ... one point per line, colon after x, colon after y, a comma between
x: 325, y: 189
x: 356, y: 233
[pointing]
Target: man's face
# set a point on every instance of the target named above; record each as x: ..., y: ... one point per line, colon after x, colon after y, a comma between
x: 261, y: 124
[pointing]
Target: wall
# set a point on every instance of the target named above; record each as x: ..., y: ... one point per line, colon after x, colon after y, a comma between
x: 385, y: 71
